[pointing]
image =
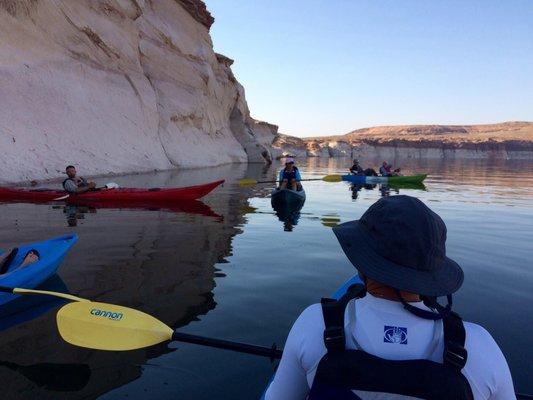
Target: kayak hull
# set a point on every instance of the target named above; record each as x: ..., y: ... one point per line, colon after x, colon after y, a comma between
x: 153, y: 195
x: 337, y: 295
x: 288, y: 198
x: 52, y: 252
x: 361, y: 179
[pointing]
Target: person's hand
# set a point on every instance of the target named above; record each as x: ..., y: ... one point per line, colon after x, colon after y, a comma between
x: 92, y: 185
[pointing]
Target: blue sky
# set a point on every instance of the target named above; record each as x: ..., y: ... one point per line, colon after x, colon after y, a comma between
x: 322, y: 67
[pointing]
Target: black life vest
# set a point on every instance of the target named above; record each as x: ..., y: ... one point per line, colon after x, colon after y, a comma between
x: 289, y: 175
x: 341, y: 370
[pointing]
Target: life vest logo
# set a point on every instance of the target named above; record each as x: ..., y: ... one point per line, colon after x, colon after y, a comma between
x: 107, y: 314
x: 395, y: 334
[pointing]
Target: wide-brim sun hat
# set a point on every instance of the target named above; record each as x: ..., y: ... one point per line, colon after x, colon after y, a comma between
x: 400, y: 242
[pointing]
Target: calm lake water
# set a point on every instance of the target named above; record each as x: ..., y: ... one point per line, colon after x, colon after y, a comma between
x: 229, y: 268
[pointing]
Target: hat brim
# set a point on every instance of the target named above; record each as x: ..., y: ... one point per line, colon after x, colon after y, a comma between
x: 359, y: 247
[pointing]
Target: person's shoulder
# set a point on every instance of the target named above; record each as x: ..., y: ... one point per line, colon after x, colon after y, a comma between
x: 306, y: 337
x: 312, y: 315
x: 475, y: 332
x: 309, y: 323
x: 483, y: 351
x: 482, y: 348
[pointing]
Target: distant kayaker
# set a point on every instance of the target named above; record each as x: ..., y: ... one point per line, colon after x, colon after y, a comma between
x: 386, y: 170
x: 396, y: 338
x: 7, y: 258
x: 76, y: 184
x: 289, y: 177
x: 356, y: 168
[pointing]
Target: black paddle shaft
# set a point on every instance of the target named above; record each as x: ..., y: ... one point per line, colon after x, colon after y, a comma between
x: 271, y: 352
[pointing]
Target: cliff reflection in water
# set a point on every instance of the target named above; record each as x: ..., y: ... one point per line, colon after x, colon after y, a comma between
x: 160, y: 262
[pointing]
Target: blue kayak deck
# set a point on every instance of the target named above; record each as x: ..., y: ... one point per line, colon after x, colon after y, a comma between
x: 51, y: 254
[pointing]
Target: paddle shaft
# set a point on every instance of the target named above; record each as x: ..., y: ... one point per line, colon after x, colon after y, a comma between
x: 271, y: 352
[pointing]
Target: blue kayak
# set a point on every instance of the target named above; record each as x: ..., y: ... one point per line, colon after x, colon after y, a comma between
x: 51, y: 254
x: 337, y: 295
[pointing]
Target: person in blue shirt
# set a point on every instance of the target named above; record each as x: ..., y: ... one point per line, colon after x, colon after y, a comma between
x: 289, y: 177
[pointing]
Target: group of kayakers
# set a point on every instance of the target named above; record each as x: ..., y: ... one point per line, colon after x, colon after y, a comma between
x: 384, y: 170
x: 388, y: 337
x: 290, y: 178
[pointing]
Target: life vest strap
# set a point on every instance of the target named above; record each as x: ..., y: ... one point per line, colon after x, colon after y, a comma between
x: 333, y: 312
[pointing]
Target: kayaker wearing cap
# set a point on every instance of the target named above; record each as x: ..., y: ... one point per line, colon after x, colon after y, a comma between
x: 389, y: 340
x: 76, y: 184
x: 356, y: 168
x: 289, y: 177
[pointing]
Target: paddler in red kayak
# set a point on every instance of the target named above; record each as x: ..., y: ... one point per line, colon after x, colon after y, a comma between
x: 76, y: 184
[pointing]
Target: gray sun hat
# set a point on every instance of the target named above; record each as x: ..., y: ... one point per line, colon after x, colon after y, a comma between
x: 400, y: 242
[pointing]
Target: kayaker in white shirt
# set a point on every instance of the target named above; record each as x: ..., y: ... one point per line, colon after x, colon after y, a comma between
x: 398, y: 248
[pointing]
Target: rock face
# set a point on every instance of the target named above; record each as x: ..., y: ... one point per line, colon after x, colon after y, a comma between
x: 118, y: 86
x: 510, y: 140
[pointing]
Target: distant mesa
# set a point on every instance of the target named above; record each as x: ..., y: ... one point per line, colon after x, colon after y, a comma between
x: 509, y: 140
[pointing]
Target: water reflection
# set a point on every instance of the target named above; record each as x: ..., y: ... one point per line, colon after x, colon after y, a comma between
x: 289, y: 214
x: 183, y: 267
x: 77, y: 212
x: 53, y: 377
x: 161, y: 263
x: 30, y: 307
x: 385, y: 189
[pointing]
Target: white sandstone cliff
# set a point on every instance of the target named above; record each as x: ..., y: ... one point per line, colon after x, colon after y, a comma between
x: 118, y: 86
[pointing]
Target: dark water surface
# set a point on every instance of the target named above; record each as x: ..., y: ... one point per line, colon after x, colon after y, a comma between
x: 230, y: 269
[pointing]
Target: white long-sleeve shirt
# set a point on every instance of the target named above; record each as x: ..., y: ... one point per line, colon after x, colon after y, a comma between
x: 369, y: 325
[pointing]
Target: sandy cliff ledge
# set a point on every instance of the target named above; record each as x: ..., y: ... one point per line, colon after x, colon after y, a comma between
x: 118, y: 86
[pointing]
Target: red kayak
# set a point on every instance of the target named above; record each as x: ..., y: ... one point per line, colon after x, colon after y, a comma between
x: 153, y: 195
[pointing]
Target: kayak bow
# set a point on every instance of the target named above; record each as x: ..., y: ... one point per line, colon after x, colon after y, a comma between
x: 51, y: 254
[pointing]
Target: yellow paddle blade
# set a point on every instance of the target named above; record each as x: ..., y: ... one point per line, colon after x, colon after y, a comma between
x: 332, y: 178
x: 46, y: 292
x: 330, y: 222
x: 109, y: 327
x: 247, y: 182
